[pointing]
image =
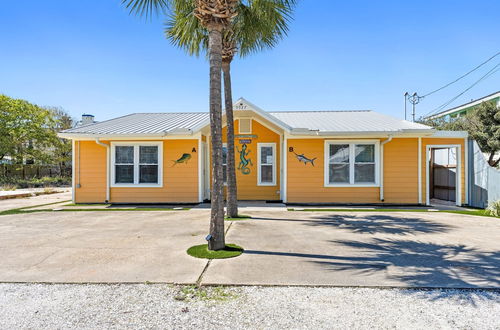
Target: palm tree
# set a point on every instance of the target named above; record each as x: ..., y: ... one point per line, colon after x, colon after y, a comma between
x: 259, y: 24
x: 214, y: 16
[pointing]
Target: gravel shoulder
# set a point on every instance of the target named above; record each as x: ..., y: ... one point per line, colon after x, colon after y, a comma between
x: 138, y: 306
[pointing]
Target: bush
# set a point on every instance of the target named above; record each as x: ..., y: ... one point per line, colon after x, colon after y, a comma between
x: 46, y: 181
x: 494, y: 209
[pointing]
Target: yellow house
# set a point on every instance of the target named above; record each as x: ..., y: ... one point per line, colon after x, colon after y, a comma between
x: 309, y: 157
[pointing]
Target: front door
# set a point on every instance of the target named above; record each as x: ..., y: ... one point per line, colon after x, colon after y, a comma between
x: 443, y: 174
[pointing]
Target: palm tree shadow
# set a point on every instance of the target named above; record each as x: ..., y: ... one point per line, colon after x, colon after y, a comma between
x: 423, y: 265
x: 387, y: 224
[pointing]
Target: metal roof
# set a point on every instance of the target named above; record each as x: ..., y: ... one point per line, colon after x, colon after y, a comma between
x: 295, y: 122
x: 356, y: 121
x: 144, y: 123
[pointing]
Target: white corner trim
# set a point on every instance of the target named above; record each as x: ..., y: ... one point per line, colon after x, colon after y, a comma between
x: 73, y: 169
x: 419, y: 169
x: 259, y: 146
x: 136, y: 145
x: 351, y: 144
x: 200, y: 170
x: 466, y: 169
x: 284, y: 162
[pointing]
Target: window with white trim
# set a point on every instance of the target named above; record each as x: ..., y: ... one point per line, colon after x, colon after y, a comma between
x: 266, y: 160
x: 136, y: 164
x: 351, y: 163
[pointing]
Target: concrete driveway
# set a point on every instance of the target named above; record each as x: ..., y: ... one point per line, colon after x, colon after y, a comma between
x: 282, y: 248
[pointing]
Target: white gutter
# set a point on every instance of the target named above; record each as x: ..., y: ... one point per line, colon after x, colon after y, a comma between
x: 389, y: 139
x: 107, y: 166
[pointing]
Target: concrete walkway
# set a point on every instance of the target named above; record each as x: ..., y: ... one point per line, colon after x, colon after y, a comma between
x: 281, y: 248
x: 15, y: 203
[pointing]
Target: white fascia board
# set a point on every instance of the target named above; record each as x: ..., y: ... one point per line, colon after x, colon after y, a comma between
x: 264, y: 114
x: 118, y: 137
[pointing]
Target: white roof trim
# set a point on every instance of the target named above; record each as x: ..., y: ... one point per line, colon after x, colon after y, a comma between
x: 466, y: 105
x: 242, y: 104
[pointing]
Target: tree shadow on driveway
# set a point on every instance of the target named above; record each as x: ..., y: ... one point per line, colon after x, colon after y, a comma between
x: 372, y: 223
x: 414, y: 264
x: 387, y: 224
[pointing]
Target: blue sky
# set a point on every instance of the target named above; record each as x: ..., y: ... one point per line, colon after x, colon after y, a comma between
x: 92, y: 56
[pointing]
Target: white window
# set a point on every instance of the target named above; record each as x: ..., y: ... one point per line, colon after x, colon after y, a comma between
x: 136, y: 164
x: 351, y: 163
x: 266, y: 160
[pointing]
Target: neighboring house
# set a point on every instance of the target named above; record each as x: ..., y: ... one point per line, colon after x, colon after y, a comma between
x: 358, y: 157
x: 463, y: 109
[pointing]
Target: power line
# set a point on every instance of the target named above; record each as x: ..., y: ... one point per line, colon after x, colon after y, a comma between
x: 463, y: 76
x: 485, y: 76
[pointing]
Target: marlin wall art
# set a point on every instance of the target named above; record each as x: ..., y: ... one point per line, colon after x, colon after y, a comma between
x: 303, y: 159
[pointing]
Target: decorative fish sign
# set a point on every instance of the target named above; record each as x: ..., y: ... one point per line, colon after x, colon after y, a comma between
x: 303, y: 159
x: 184, y: 159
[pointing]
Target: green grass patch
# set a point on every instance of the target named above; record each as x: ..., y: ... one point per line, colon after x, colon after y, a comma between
x: 239, y: 217
x: 482, y: 213
x: 202, y: 251
x: 90, y: 204
x: 217, y: 294
x: 28, y: 209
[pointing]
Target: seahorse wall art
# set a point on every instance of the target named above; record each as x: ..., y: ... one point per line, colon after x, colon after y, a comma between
x: 184, y: 159
x: 244, y: 161
x: 302, y: 158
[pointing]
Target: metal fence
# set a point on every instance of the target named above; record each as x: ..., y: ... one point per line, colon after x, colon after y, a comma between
x: 27, y: 172
x: 484, y: 180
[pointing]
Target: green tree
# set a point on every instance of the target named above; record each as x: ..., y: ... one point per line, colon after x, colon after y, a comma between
x: 26, y: 131
x: 259, y: 24
x: 214, y: 16
x: 482, y: 124
x: 61, y: 154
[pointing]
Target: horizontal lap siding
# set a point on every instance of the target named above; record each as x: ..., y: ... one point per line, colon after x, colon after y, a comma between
x: 180, y: 182
x: 247, y: 183
x: 401, y: 171
x: 305, y: 183
x: 90, y: 172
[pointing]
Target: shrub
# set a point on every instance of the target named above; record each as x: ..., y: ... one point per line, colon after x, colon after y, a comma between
x: 494, y: 208
x: 8, y: 187
x: 46, y: 181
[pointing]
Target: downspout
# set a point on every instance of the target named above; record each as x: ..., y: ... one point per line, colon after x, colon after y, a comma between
x: 389, y: 139
x: 107, y: 167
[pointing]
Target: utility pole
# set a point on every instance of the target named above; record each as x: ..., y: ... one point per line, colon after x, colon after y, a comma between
x: 414, y: 99
x: 406, y: 98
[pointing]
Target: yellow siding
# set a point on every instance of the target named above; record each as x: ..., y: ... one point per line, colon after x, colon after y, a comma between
x: 180, y: 182
x: 401, y: 171
x: 90, y: 172
x: 247, y: 184
x: 306, y: 182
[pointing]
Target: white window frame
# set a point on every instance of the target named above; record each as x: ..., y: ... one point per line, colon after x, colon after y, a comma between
x: 259, y: 146
x: 352, y: 144
x: 136, y: 183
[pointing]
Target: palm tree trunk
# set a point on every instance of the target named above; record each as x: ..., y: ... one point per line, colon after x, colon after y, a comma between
x: 217, y: 241
x: 232, y: 192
